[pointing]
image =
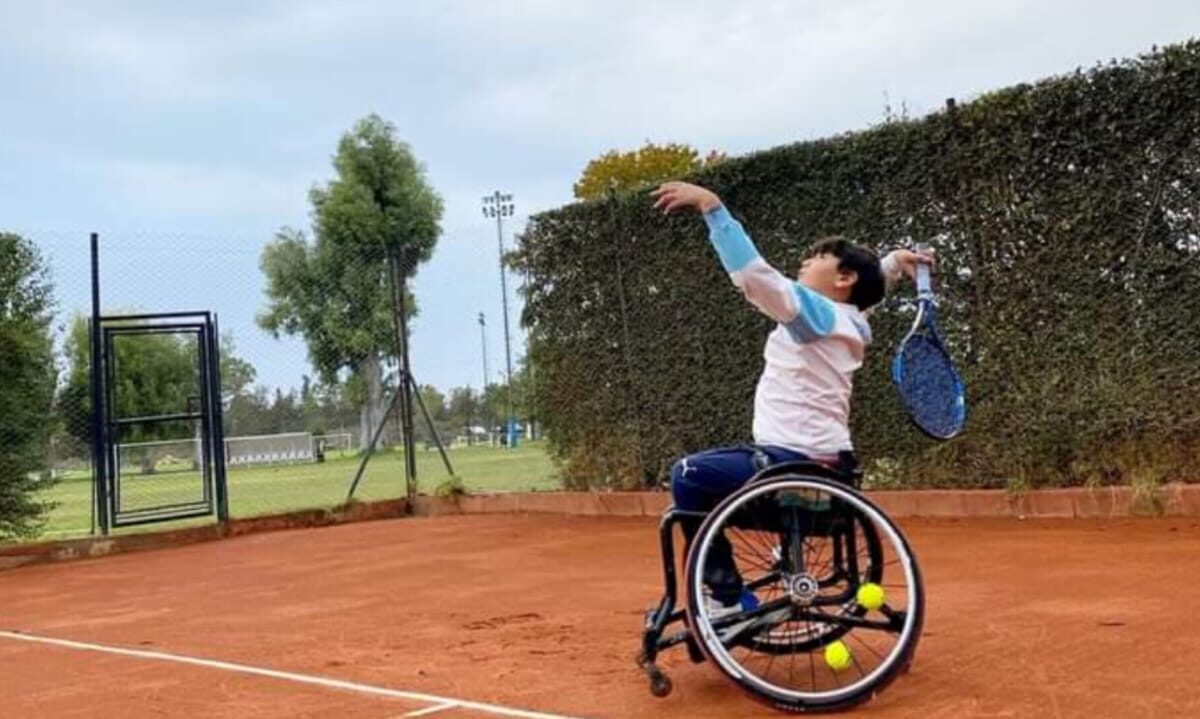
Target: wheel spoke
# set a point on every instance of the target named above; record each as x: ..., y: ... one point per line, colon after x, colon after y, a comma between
x: 761, y: 560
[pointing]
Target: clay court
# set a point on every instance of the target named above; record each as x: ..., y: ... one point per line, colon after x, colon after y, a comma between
x: 539, y: 615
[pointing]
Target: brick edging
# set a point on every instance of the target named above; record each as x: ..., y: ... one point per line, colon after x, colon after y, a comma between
x: 17, y: 555
x: 1174, y: 500
x: 1079, y: 503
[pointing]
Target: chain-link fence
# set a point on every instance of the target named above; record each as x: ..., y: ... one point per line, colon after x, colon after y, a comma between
x: 1065, y: 215
x: 308, y: 375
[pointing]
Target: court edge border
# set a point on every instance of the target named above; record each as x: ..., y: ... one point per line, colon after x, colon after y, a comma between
x: 1173, y: 500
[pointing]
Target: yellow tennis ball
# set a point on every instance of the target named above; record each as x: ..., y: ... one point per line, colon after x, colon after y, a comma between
x: 837, y: 656
x: 870, y: 595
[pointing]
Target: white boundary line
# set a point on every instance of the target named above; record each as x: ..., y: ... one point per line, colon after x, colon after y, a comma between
x: 439, y: 702
x: 431, y: 710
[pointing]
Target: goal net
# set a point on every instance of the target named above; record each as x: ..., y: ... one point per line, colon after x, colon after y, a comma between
x: 269, y: 449
x: 340, y: 442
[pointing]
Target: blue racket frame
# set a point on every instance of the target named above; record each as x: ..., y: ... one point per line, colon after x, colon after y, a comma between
x: 925, y: 327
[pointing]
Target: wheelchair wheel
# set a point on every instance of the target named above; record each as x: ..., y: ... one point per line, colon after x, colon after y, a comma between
x: 805, y: 546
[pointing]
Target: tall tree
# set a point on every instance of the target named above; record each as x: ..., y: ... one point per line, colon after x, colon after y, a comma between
x: 648, y: 165
x: 435, y: 403
x: 237, y: 375
x: 463, y: 409
x: 331, y: 410
x: 249, y: 414
x: 27, y: 379
x: 334, y: 289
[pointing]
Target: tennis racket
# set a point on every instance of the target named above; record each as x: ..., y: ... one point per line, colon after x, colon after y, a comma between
x: 924, y: 374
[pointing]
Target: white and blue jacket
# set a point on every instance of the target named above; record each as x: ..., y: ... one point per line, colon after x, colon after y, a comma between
x: 803, y: 397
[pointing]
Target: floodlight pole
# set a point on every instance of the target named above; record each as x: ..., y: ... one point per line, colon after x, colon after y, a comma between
x: 499, y: 206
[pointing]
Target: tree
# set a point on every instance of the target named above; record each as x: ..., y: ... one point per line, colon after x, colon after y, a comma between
x: 27, y: 377
x: 249, y: 414
x: 649, y: 165
x: 435, y: 403
x: 329, y: 409
x: 334, y: 290
x: 237, y: 375
x: 494, y: 403
x: 287, y: 415
x: 463, y: 411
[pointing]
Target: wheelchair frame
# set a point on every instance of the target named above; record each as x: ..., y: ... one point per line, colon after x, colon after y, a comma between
x: 660, y: 618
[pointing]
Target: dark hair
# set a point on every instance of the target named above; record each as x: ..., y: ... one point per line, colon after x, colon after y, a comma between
x: 869, y: 289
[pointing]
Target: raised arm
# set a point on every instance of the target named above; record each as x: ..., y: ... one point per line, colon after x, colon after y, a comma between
x: 807, y: 314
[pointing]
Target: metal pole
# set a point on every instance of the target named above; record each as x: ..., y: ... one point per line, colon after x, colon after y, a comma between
x: 99, y: 445
x: 508, y: 410
x: 483, y: 343
x: 483, y: 389
x: 499, y: 205
x: 531, y: 388
x: 437, y: 438
x: 362, y: 465
x: 217, y: 435
x: 410, y: 456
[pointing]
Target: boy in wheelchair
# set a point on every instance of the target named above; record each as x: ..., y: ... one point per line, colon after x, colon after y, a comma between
x: 802, y: 401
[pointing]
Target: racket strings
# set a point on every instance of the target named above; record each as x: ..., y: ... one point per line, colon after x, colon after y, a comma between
x: 931, y: 388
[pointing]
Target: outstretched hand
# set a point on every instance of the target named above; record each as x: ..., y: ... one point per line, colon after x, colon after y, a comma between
x: 671, y: 196
x: 908, y: 261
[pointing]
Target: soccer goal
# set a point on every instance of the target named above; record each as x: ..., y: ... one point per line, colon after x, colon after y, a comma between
x: 339, y: 442
x: 269, y: 449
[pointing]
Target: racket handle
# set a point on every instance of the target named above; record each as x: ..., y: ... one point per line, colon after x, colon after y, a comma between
x: 924, y: 283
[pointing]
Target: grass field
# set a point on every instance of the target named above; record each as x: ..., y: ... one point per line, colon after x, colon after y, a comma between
x: 281, y: 488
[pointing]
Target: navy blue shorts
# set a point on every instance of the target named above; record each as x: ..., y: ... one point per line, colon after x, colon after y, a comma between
x: 700, y: 481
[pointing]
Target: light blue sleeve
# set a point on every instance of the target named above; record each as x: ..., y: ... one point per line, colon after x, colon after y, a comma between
x: 729, y: 239
x: 815, y: 315
x: 807, y: 315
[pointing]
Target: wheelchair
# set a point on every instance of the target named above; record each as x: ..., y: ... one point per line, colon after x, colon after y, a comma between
x: 835, y: 599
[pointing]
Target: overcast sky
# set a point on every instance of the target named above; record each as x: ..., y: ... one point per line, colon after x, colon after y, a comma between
x: 187, y: 133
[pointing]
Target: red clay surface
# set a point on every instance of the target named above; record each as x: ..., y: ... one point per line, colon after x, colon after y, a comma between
x: 1072, y: 618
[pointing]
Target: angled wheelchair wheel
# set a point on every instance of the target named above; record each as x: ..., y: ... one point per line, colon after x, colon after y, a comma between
x: 838, y: 597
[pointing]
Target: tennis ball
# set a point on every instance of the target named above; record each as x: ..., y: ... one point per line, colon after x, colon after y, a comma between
x: 837, y: 656
x: 870, y: 596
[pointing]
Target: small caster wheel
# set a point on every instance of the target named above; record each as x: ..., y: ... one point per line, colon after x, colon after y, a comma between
x: 660, y: 685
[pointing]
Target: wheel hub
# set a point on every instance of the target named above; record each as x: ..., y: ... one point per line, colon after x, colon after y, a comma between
x: 802, y: 588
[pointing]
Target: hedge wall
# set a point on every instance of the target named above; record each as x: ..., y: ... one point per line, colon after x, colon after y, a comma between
x: 1065, y: 214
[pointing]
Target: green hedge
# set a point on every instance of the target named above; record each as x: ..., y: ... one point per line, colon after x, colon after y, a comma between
x: 1065, y: 216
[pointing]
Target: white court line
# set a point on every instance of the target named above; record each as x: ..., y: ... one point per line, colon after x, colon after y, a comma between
x: 431, y: 710
x: 442, y: 702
